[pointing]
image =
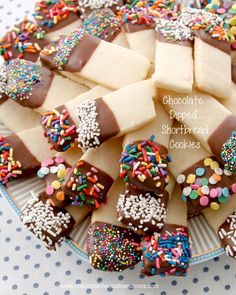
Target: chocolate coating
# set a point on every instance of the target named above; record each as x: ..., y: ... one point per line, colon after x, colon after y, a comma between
x: 234, y: 72
x: 222, y: 45
x: 80, y: 55
x: 222, y: 133
x: 29, y: 163
x: 171, y: 237
x: 111, y: 247
x: 142, y: 211
x: 133, y: 28
x: 194, y: 206
x: 227, y: 232
x: 85, y: 193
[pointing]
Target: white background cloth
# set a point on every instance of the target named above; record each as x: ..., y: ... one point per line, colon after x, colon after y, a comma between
x: 27, y: 268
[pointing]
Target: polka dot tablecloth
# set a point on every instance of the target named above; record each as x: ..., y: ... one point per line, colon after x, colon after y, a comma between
x: 27, y: 268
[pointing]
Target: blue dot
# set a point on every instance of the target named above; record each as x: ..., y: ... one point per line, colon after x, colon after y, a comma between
x: 78, y: 262
x: 35, y: 285
x: 67, y: 292
x: 227, y: 287
x: 120, y: 277
x: 205, y: 269
x: 110, y: 289
x: 45, y: 293
x: 27, y: 257
x: 68, y: 253
x: 142, y: 276
x: 58, y: 263
x: 38, y: 246
x: 174, y: 283
x: 19, y: 229
x: 16, y: 267
x: 48, y: 255
x: 6, y: 258
x: 14, y: 287
x: 195, y: 280
x: 141, y: 294
x: 28, y: 238
x: 163, y: 293
x: 88, y: 291
x: 47, y: 274
x: 78, y: 282
x: 68, y: 272
x: 1, y: 213
x: 9, y: 221
x: 99, y: 280
x: 216, y: 278
x: 227, y: 267
x: 7, y: 240
x: 216, y: 259
x: 131, y: 286
x: 89, y: 270
x: 206, y: 289
x: 25, y: 276
x: 57, y: 284
x: 17, y: 248
x: 37, y: 265
x: 185, y: 291
x: 5, y: 278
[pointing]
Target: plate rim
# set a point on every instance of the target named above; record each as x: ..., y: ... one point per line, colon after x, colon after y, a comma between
x: 199, y: 258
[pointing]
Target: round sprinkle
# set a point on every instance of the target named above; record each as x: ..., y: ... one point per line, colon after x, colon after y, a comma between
x: 200, y: 171
x: 191, y: 178
x: 213, y: 193
x: 181, y: 178
x: 187, y: 190
x: 193, y: 195
x: 49, y: 190
x: 225, y: 192
x: 214, y: 206
x: 56, y: 184
x: 208, y: 161
x: 204, y: 201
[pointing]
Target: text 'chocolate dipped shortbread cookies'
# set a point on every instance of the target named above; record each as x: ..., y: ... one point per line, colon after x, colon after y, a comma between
x: 95, y: 60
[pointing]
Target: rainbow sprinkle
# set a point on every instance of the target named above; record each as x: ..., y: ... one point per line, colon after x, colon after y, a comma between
x: 142, y: 161
x: 23, y: 39
x: 65, y: 47
x: 10, y: 169
x: 59, y: 129
x: 50, y: 12
x: 22, y: 76
x: 112, y: 248
x: 3, y: 80
x: 167, y: 253
x: 228, y: 153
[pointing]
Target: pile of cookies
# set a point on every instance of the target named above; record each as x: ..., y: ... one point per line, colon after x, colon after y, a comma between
x: 93, y: 92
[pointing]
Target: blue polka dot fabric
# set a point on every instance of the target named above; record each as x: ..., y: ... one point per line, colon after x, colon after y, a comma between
x: 27, y: 268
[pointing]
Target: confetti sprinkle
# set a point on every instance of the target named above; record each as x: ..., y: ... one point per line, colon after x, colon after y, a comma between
x: 22, y: 76
x: 51, y: 12
x: 10, y: 168
x: 46, y: 222
x: 66, y: 46
x: 167, y: 253
x: 59, y: 129
x: 102, y: 24
x: 89, y: 129
x: 228, y: 153
x: 96, y: 4
x: 88, y: 185
x: 24, y: 38
x: 145, y: 162
x: 208, y: 185
x: 112, y: 248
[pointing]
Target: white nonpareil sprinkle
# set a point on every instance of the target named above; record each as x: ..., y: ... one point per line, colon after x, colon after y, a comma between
x: 89, y: 129
x: 41, y: 219
x: 97, y: 4
x: 142, y: 210
x: 3, y: 80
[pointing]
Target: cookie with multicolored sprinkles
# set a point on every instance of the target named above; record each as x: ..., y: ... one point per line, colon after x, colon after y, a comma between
x: 36, y: 87
x: 25, y: 41
x: 91, y: 58
x: 92, y: 176
x: 57, y: 17
x: 20, y: 155
x: 168, y: 252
